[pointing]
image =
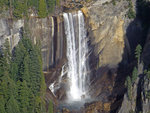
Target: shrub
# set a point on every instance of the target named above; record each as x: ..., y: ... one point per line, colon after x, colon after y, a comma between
x: 50, y: 107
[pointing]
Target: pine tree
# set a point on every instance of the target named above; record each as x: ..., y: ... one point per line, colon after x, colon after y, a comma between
x: 23, y: 96
x: 42, y: 12
x: 5, y: 58
x: 22, y: 84
x: 20, y: 8
x: 13, y: 71
x: 17, y: 61
x: 50, y: 107
x: 129, y: 87
x: 2, y: 64
x: 12, y: 105
x: 134, y: 74
x: 4, y: 4
x: 51, y: 5
x: 26, y: 75
x: 2, y: 105
x: 38, y: 105
x: 31, y: 102
x: 8, y: 91
x: 33, y: 4
x: 138, y: 51
x: 58, y: 2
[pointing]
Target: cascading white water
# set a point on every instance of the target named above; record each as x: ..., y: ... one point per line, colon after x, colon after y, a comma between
x: 77, y: 51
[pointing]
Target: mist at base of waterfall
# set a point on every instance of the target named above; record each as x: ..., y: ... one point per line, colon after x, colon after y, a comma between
x: 77, y: 95
x: 74, y: 105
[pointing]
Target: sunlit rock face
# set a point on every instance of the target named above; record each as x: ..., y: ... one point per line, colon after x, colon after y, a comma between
x: 106, y: 31
x: 106, y: 37
x: 67, y: 70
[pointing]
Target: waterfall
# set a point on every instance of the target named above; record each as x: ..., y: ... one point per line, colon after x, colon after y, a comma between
x: 77, y: 50
x: 52, y: 26
x: 63, y: 72
x: 51, y: 87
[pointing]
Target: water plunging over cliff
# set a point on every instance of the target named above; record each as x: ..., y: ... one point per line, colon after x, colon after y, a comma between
x: 77, y: 50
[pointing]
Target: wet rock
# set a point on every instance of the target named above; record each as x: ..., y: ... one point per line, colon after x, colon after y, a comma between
x: 97, y: 107
x: 107, y: 107
x: 65, y: 110
x: 101, y: 86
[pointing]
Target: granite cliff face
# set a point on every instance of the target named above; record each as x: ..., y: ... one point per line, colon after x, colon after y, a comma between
x: 106, y: 41
x: 106, y: 31
x: 107, y: 24
x: 10, y: 30
x: 111, y: 40
x: 48, y: 30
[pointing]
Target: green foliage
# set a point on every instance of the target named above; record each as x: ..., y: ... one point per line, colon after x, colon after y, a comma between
x: 147, y: 72
x: 138, y: 51
x: 50, y: 5
x: 57, y: 2
x: 2, y: 105
x: 87, y: 0
x: 50, y: 107
x: 8, y: 92
x: 33, y: 4
x: 4, y: 4
x: 134, y: 74
x: 22, y: 84
x: 113, y: 2
x: 131, y: 14
x: 42, y: 11
x: 131, y: 111
x: 22, y: 96
x: 20, y: 8
x: 129, y: 87
x: 38, y: 105
x: 147, y: 93
x: 12, y: 105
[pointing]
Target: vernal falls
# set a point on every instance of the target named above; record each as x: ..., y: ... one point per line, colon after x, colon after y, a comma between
x: 77, y: 52
x: 76, y: 70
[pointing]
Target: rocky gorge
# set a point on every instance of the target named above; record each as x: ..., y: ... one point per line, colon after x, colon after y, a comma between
x: 112, y: 39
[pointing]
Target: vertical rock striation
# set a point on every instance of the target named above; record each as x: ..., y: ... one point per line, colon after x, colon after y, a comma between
x: 50, y: 32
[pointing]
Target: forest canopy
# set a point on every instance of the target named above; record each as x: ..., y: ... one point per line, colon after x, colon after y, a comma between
x: 22, y: 84
x: 20, y: 8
